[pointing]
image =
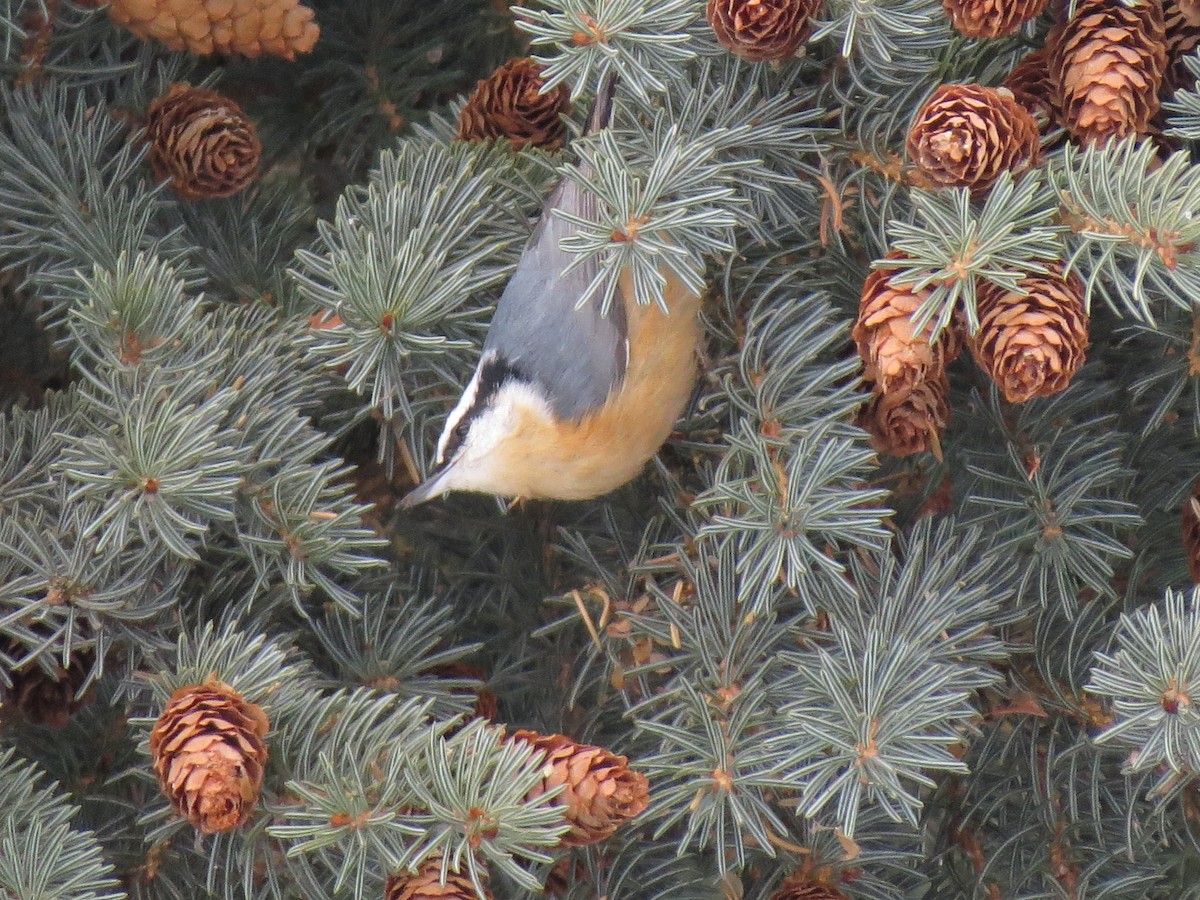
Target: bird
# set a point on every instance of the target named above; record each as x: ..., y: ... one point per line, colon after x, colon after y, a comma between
x: 568, y: 402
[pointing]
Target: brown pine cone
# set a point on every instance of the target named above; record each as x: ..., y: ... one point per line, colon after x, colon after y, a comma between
x: 1191, y: 532
x: 425, y: 884
x: 229, y: 27
x: 509, y: 104
x: 602, y: 792
x: 762, y: 30
x: 209, y: 755
x: 894, y: 357
x: 202, y: 142
x: 1108, y: 65
x: 1032, y: 346
x: 1182, y: 21
x: 908, y: 421
x: 1032, y: 87
x: 46, y: 699
x: 802, y: 887
x: 991, y: 18
x: 967, y: 135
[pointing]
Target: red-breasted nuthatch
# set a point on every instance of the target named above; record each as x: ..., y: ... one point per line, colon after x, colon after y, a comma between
x: 567, y: 403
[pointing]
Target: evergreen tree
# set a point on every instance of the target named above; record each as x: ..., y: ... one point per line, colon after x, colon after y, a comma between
x: 904, y: 607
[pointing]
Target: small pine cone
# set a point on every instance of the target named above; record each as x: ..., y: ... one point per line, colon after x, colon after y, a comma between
x: 46, y: 699
x: 1032, y: 346
x: 602, y: 792
x: 801, y: 886
x: 1108, y: 65
x: 1182, y: 21
x: 908, y: 421
x: 762, y: 30
x: 425, y: 884
x: 967, y: 135
x: 1191, y: 532
x: 894, y: 357
x: 1032, y: 87
x: 991, y: 18
x: 209, y: 755
x: 202, y: 142
x: 229, y: 27
x: 510, y: 104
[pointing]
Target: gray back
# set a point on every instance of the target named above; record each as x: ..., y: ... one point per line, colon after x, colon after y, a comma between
x: 577, y: 356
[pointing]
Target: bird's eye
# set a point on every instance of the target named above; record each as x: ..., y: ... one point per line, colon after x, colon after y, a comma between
x: 460, y: 432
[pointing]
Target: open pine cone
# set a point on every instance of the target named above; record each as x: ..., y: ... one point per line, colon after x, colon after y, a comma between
x: 894, y: 356
x: 46, y: 699
x: 230, y: 27
x: 202, y: 142
x: 1191, y: 533
x: 510, y: 104
x: 1108, y: 64
x: 762, y: 30
x: 1031, y: 86
x: 1032, y: 345
x: 967, y: 135
x: 1182, y: 21
x: 602, y: 792
x: 209, y: 753
x: 908, y: 421
x: 425, y: 884
x: 991, y: 18
x: 801, y: 887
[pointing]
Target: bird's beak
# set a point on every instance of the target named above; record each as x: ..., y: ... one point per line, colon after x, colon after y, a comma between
x: 433, y: 486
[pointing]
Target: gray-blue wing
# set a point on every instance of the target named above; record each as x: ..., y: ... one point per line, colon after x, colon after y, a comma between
x: 577, y: 356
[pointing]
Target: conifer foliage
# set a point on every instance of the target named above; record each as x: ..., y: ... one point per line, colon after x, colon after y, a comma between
x: 905, y: 606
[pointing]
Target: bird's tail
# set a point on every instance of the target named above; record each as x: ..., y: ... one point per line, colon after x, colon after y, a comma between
x: 602, y: 109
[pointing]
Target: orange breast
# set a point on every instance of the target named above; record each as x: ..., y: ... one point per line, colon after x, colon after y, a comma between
x: 574, y: 461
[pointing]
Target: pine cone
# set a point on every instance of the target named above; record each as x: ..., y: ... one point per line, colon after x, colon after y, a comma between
x: 801, y: 886
x: 46, y: 699
x: 1182, y: 26
x: 908, y: 421
x: 209, y: 755
x: 602, y: 792
x: 1032, y: 346
x: 894, y: 357
x: 991, y: 18
x: 966, y: 135
x: 229, y: 27
x: 1191, y: 532
x: 1108, y: 65
x: 762, y: 30
x: 202, y: 142
x: 424, y: 884
x: 509, y: 104
x: 1032, y: 87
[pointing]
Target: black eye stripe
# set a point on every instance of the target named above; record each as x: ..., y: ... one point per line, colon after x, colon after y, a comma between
x: 492, y: 374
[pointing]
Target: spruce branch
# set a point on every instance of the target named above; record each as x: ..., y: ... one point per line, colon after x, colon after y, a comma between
x: 399, y: 270
x: 1151, y: 674
x: 163, y: 471
x: 301, y: 529
x: 1053, y: 495
x: 1136, y: 234
x: 41, y: 853
x: 642, y: 42
x: 869, y: 723
x: 396, y: 644
x: 348, y: 805
x: 133, y: 314
x: 473, y: 786
x: 1183, y: 108
x: 952, y: 242
x: 940, y: 590
x: 72, y: 192
x: 786, y: 500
